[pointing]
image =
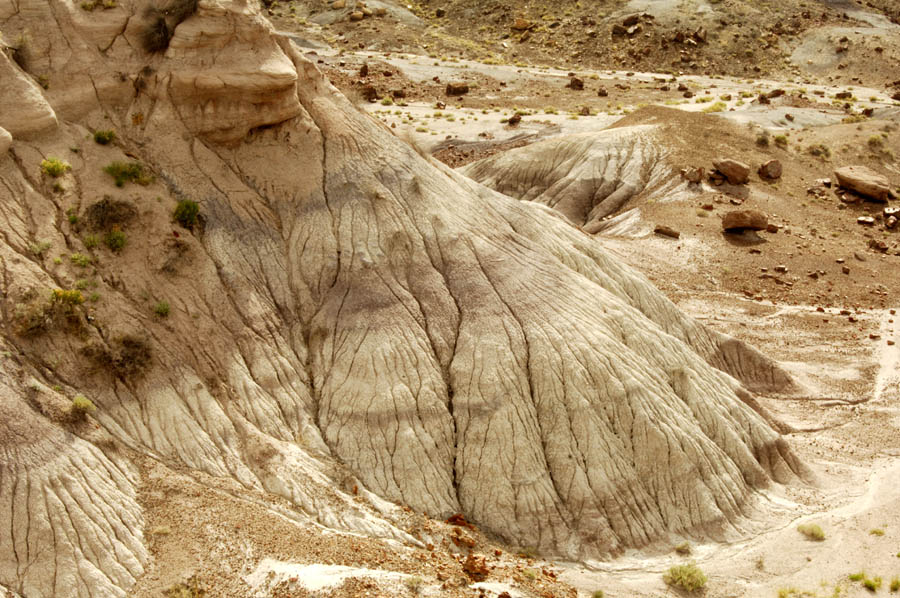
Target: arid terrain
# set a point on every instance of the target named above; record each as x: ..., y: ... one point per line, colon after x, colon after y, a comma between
x: 449, y: 298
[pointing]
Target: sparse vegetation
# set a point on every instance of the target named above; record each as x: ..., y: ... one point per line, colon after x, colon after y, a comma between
x: 187, y: 213
x: 414, y: 584
x: 895, y: 584
x: 717, y: 107
x: 127, y: 358
x: 39, y: 248
x: 688, y: 577
x: 91, y: 241
x: 81, y: 407
x: 104, y: 137
x: 781, y: 141
x: 684, y: 548
x: 128, y: 172
x: 762, y: 139
x: 54, y: 167
x: 115, y: 240
x: 161, y: 309
x: 811, y: 531
x: 876, y: 532
x: 598, y: 594
x: 819, y: 150
x: 530, y: 574
x: 80, y: 260
x: 192, y: 588
x: 873, y: 584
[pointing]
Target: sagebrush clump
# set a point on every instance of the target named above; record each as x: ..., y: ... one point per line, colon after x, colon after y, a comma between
x: 128, y: 172
x: 811, y: 531
x: 104, y: 137
x: 81, y: 407
x: 187, y: 213
x: 54, y: 167
x: 688, y: 577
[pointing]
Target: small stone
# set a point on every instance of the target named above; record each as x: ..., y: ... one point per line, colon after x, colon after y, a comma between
x: 845, y: 269
x: 338, y: 4
x: 514, y: 119
x: 602, y: 92
x: 865, y: 220
x: 576, y: 84
x: 771, y: 170
x: 781, y: 268
x: 772, y: 228
x: 521, y: 24
x: 440, y: 13
x: 356, y: 15
x: 666, y: 231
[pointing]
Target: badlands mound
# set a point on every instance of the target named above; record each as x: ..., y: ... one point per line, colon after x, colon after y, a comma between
x: 343, y: 316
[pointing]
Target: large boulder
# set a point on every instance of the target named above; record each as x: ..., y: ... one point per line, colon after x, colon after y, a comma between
x: 736, y: 172
x: 742, y: 220
x: 864, y: 181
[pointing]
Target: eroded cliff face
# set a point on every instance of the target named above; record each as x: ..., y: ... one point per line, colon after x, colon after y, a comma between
x: 345, y: 310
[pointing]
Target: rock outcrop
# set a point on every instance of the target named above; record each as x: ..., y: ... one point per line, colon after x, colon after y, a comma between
x: 344, y: 308
x: 585, y: 177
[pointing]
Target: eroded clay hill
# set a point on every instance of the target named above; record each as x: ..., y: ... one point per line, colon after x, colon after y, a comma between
x: 342, y: 309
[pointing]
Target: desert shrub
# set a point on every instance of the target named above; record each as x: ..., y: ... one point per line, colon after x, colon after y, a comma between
x: 192, y: 588
x: 781, y: 141
x: 717, y: 107
x: 876, y: 532
x: 156, y: 36
x: 81, y: 407
x: 54, y: 167
x: 38, y: 248
x: 820, y: 151
x: 162, y: 309
x: 91, y: 241
x: 68, y: 298
x: 895, y: 584
x: 128, y: 172
x: 530, y: 573
x: 598, y: 594
x: 684, y: 548
x: 186, y: 213
x: 127, y: 356
x: 688, y: 577
x: 104, y: 137
x: 108, y: 213
x: 873, y: 584
x: 762, y: 139
x: 414, y: 584
x: 876, y: 142
x: 115, y: 240
x: 32, y: 318
x: 857, y: 576
x: 80, y: 260
x: 811, y: 531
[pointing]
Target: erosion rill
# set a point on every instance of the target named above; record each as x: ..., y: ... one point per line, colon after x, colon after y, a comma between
x: 341, y: 303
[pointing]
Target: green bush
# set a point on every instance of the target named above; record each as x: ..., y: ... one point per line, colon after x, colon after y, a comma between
x: 68, y: 298
x: 895, y: 584
x: 80, y: 260
x: 811, y: 531
x: 38, y: 248
x: 162, y: 309
x: 104, y: 137
x: 598, y: 594
x: 81, y: 407
x: 91, y: 241
x: 128, y: 172
x: 187, y: 213
x: 115, y: 240
x: 688, y: 577
x: 55, y: 167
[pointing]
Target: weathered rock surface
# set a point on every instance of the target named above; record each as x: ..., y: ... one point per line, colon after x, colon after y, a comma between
x: 348, y: 308
x: 864, y: 181
x: 741, y: 220
x: 585, y: 177
x: 5, y: 142
x: 736, y: 172
x: 23, y: 109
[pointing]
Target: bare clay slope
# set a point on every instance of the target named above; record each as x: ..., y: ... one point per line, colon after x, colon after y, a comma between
x: 344, y: 304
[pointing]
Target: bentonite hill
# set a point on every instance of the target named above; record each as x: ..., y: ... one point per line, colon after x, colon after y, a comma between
x: 383, y: 299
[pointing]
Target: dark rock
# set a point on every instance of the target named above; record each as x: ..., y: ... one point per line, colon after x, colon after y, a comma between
x: 457, y: 89
x: 666, y: 231
x: 771, y: 170
x: 741, y: 220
